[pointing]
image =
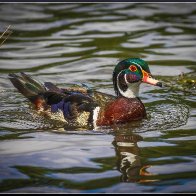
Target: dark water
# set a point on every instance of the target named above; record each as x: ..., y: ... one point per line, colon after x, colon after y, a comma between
x: 70, y: 44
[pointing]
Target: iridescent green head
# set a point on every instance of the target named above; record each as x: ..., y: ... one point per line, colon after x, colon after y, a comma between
x: 129, y: 74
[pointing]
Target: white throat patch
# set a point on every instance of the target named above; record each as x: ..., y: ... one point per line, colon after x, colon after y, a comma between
x: 132, y: 90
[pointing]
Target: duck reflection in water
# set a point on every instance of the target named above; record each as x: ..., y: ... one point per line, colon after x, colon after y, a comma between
x: 129, y: 160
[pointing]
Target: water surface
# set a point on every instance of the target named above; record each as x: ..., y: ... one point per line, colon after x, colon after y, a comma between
x: 69, y: 44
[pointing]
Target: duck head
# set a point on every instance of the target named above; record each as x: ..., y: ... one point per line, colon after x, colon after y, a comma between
x: 129, y: 74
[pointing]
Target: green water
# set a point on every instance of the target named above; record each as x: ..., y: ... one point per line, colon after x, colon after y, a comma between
x: 70, y: 44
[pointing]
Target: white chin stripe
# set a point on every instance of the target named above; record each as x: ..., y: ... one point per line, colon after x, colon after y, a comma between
x: 95, y: 115
x: 132, y: 90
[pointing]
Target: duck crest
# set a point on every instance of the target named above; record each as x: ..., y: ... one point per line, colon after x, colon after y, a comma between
x: 81, y: 106
x: 120, y: 81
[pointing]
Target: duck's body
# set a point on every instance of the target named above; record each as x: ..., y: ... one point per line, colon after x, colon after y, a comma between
x: 81, y: 107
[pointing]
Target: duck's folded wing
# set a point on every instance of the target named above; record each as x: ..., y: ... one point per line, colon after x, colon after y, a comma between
x: 52, y: 87
x: 71, y: 105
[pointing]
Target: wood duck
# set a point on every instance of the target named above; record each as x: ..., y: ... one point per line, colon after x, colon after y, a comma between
x: 82, y: 106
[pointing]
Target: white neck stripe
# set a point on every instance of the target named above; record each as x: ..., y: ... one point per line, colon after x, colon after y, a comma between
x: 126, y: 80
x: 95, y: 116
x: 132, y: 90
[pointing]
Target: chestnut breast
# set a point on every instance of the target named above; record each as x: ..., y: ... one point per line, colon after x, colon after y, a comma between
x: 122, y: 110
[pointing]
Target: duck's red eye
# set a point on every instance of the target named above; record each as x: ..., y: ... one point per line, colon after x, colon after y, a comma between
x: 133, y: 68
